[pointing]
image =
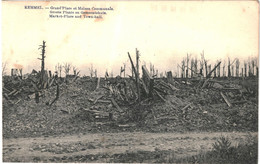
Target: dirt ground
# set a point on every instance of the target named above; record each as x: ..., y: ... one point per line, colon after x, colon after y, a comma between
x: 107, y: 147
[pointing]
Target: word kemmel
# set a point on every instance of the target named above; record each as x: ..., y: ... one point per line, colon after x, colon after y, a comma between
x: 33, y: 7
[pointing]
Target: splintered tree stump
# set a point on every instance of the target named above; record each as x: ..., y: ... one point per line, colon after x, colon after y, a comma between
x: 148, y: 82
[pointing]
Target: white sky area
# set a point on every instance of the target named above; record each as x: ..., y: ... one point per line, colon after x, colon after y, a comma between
x: 163, y: 32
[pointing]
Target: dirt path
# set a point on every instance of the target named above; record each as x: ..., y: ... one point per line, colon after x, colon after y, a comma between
x: 46, y: 149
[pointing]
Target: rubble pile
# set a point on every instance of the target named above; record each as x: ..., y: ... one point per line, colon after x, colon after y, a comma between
x: 79, y: 105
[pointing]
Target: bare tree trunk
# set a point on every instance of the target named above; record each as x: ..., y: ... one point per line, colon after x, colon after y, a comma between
x: 21, y: 73
x: 224, y: 73
x: 219, y: 70
x: 187, y: 66
x: 124, y: 70
x: 232, y: 71
x: 229, y: 69
x: 137, y: 71
x: 245, y: 69
x: 177, y: 71
x: 196, y: 65
x: 215, y: 72
x: 249, y: 69
x: 209, y: 68
x: 42, y: 63
x: 192, y: 67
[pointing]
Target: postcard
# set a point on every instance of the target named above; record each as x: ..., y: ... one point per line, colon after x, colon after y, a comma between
x: 130, y: 81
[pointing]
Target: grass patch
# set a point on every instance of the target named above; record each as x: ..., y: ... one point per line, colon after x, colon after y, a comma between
x: 224, y: 153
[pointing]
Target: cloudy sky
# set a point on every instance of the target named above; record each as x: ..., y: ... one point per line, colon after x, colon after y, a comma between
x: 164, y: 32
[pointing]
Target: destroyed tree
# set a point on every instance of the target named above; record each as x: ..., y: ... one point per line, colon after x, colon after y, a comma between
x: 58, y: 69
x: 137, y: 73
x: 42, y: 47
x: 253, y: 62
x: 257, y: 70
x: 232, y: 70
x: 218, y: 69
x: 91, y: 70
x: 151, y: 69
x: 74, y: 70
x: 67, y: 67
x: 209, y: 68
x: 211, y: 71
x: 106, y: 74
x: 21, y: 72
x: 230, y: 67
x: 191, y: 67
x: 224, y: 65
x: 95, y: 72
x: 183, y: 68
x: 187, y: 65
x: 229, y: 70
x: 205, y: 62
x: 135, y: 69
x: 177, y: 73
x: 245, y: 68
x: 4, y: 69
x: 201, y: 64
x: 121, y: 70
x: 215, y: 71
x: 237, y: 67
x: 195, y: 65
x: 124, y: 68
x: 249, y: 67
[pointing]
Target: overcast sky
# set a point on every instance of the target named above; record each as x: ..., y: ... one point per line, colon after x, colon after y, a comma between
x: 164, y: 32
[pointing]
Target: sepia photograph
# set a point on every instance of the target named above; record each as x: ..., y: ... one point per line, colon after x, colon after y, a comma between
x: 130, y: 81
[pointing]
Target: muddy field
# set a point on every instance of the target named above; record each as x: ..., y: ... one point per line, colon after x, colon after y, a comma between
x: 83, y: 125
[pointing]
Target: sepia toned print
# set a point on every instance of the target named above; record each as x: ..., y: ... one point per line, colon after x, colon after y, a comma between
x: 130, y: 81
